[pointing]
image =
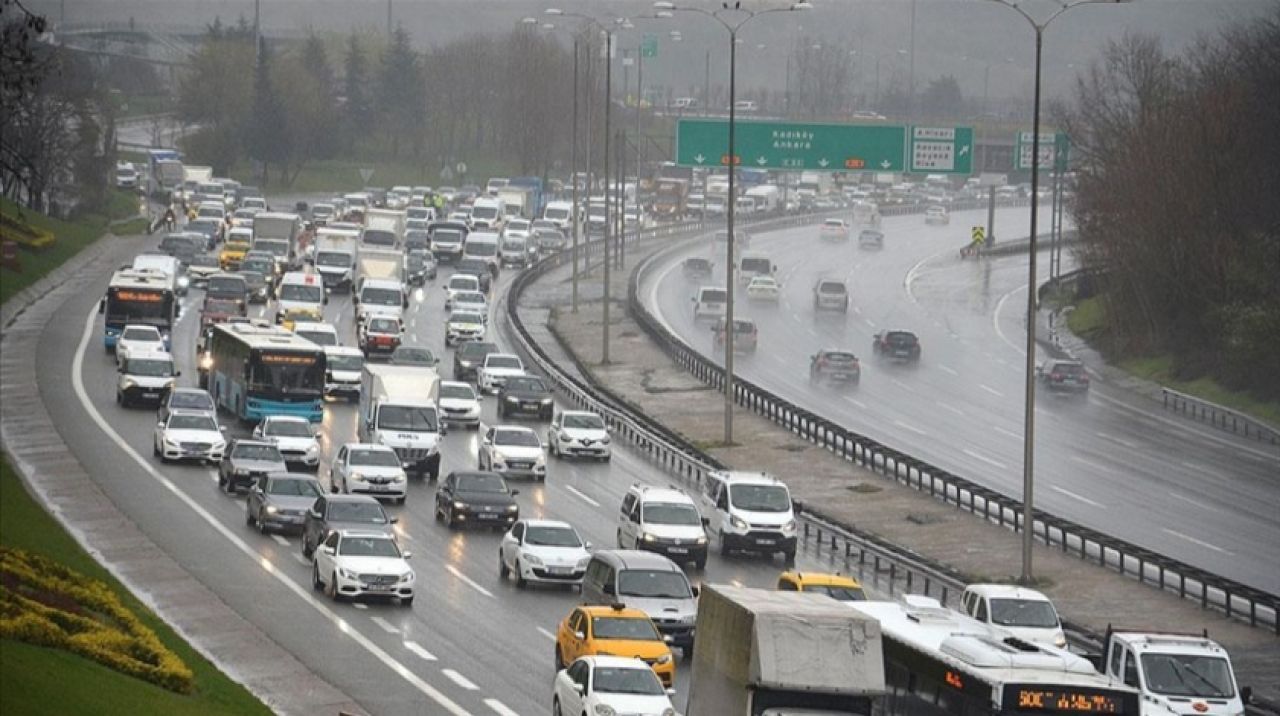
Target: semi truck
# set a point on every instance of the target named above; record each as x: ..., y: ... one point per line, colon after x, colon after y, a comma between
x: 767, y: 653
x: 335, y: 256
x: 398, y: 408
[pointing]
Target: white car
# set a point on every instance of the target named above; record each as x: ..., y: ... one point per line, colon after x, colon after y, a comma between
x: 459, y: 403
x: 139, y: 339
x: 457, y: 283
x: 543, y: 551
x: 578, y: 433
x: 343, y: 365
x: 610, y: 685
x: 145, y: 376
x: 354, y: 563
x: 320, y: 333
x: 1024, y: 613
x: 370, y: 469
x: 513, y: 451
x: 463, y: 326
x: 189, y: 435
x: 473, y: 301
x: 517, y: 229
x: 834, y: 230
x: 937, y: 215
x: 496, y: 369
x: 764, y: 288
x: 295, y: 438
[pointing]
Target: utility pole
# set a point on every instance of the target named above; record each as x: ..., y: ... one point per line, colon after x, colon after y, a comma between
x: 573, y: 177
x: 388, y: 19
x: 706, y: 85
x: 608, y: 101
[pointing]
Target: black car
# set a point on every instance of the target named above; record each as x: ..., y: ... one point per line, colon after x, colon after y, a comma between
x: 1066, y: 376
x: 419, y: 265
x: 480, y: 498
x: 414, y: 355
x: 897, y: 345
x: 469, y: 356
x: 185, y: 399
x: 696, y: 267
x: 343, y: 512
x: 417, y: 240
x: 183, y: 247
x: 478, y: 268
x: 526, y: 394
x: 255, y: 283
x: 834, y: 366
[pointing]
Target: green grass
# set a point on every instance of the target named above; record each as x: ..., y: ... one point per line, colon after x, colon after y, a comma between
x: 37, y: 680
x: 72, y: 237
x: 1086, y: 319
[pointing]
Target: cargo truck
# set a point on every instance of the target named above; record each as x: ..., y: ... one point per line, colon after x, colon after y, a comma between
x: 335, y: 256
x: 1174, y: 673
x: 379, y: 264
x: 537, y: 198
x: 770, y: 653
x: 517, y: 201
x: 670, y: 199
x: 278, y: 234
x: 398, y: 408
x: 383, y: 229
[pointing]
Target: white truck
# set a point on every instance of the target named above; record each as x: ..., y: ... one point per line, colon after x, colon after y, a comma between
x: 768, y: 653
x: 767, y: 197
x: 516, y: 201
x: 278, y: 233
x: 379, y: 264
x: 383, y: 229
x: 398, y: 408
x: 815, y: 184
x: 1175, y: 673
x: 335, y: 256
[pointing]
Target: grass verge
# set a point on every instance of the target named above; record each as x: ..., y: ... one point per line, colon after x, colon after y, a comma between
x: 40, y: 681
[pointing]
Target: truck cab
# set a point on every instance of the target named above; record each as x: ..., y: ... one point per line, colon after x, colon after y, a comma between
x: 1175, y: 673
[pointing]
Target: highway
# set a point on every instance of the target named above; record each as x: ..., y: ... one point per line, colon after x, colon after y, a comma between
x: 469, y: 644
x: 1111, y: 461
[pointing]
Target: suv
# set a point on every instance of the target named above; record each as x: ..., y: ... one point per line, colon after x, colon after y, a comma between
x: 469, y: 357
x: 750, y: 512
x: 339, y: 512
x: 830, y: 294
x: 1024, y: 613
x: 897, y: 345
x: 663, y: 520
x: 1063, y: 375
x: 648, y: 582
x: 745, y: 335
x: 834, y: 366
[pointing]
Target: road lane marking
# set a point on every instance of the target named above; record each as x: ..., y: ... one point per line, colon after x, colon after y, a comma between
x: 870, y: 322
x: 948, y: 406
x: 984, y: 458
x: 280, y: 540
x: 995, y: 321
x: 1200, y: 542
x: 416, y: 648
x: 468, y: 580
x: 1095, y: 465
x: 1114, y: 439
x: 297, y: 557
x: 856, y: 402
x: 912, y: 428
x: 459, y: 679
x: 1074, y: 496
x: 581, y: 495
x: 499, y: 707
x: 547, y: 634
x: 1191, y: 501
x: 991, y: 390
x: 303, y: 593
x: 385, y: 625
x: 360, y: 605
x: 900, y: 384
x: 949, y: 369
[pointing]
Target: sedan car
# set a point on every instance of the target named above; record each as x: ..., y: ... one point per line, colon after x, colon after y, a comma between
x: 462, y: 327
x: 369, y: 468
x: 459, y: 403
x: 189, y: 435
x: 280, y: 501
x: 870, y: 239
x: 696, y: 267
x: 186, y: 399
x: 578, y: 433
x: 937, y: 215
x: 834, y: 230
x: 202, y: 266
x: 610, y: 685
x: 765, y: 289
x: 414, y: 355
x: 834, y: 366
x: 1063, y: 376
x: 247, y: 460
x: 255, y: 283
x: 495, y: 370
x: 294, y: 436
x: 479, y: 498
x: 544, y: 551
x: 525, y: 394
x: 351, y: 563
x: 513, y: 451
x: 898, y: 345
x: 473, y: 301
x: 339, y: 512
x: 469, y: 357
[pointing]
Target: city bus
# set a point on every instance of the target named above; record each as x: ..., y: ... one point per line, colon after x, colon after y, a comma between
x: 939, y: 662
x: 138, y: 296
x: 255, y: 369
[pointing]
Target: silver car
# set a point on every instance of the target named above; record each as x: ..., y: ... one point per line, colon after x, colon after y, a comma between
x: 280, y: 501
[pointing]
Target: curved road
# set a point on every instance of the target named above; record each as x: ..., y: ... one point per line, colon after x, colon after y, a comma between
x: 1111, y: 461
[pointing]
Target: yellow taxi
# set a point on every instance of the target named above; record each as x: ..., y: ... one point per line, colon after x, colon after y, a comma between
x: 232, y: 254
x: 614, y: 630
x: 836, y: 586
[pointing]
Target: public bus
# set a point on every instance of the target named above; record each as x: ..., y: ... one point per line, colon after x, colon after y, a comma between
x: 939, y: 662
x: 138, y: 296
x: 254, y: 370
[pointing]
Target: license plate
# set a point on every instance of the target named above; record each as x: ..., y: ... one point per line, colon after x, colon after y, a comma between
x: 379, y: 488
x: 764, y: 541
x: 679, y: 550
x: 560, y: 570
x: 532, y: 406
x: 487, y: 516
x: 377, y: 587
x: 151, y: 395
x: 192, y: 453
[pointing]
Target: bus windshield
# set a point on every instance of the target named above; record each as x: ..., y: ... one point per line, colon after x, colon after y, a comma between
x: 148, y: 306
x: 287, y: 374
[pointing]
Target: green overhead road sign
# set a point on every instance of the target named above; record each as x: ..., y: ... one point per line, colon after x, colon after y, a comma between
x: 942, y: 150
x: 649, y: 46
x: 1055, y: 151
x: 792, y: 146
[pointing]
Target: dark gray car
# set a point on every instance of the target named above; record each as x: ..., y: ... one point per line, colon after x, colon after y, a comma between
x: 280, y: 501
x: 343, y: 512
x: 186, y: 399
x: 527, y: 395
x: 469, y: 356
x: 247, y: 460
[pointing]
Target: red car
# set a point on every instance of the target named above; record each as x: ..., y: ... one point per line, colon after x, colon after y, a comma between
x: 380, y: 335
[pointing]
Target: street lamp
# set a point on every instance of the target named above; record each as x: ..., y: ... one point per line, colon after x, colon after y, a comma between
x: 1029, y: 409
x: 732, y: 28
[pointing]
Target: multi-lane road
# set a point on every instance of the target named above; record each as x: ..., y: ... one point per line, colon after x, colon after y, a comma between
x: 1111, y: 461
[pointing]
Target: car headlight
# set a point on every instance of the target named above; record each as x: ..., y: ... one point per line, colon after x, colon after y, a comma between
x: 169, y: 385
x: 407, y: 577
x: 459, y: 505
x: 512, y: 399
x: 668, y: 711
x: 664, y: 659
x: 546, y: 401
x: 702, y: 540
x: 358, y: 477
x: 169, y: 442
x: 582, y: 563
x: 130, y: 383
x: 312, y: 449
x: 532, y: 559
x: 605, y: 440
x: 206, y: 361
x: 513, y: 508
x: 399, y: 478
x: 738, y: 523
x: 272, y: 509
x: 789, y: 527
x: 218, y: 445
x: 648, y: 537
x: 183, y: 281
x: 345, y: 574
x: 604, y: 710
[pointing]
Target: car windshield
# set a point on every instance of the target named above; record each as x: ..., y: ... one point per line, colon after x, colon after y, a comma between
x: 841, y: 593
x: 484, y: 212
x: 760, y: 498
x: 415, y: 356
x: 460, y: 391
x: 293, y: 487
x: 470, y: 317
x: 629, y: 628
x: 198, y: 400
x: 714, y: 296
x: 1023, y: 613
x: 446, y: 236
x: 626, y: 680
x: 474, y: 297
x: 584, y: 422
x: 220, y: 305
x: 253, y: 279
x: 482, y: 483
x: 464, y: 283
x: 287, y: 429
x: 204, y: 260
x: 670, y: 513
x: 526, y: 384
x: 262, y: 266
x: 359, y: 512
x: 841, y: 358
x: 831, y: 287
x: 1068, y: 369
x: 476, y: 350
x: 501, y: 361
x: 333, y: 258
x: 516, y: 438
x: 368, y: 547
x: 834, y: 223
x: 482, y: 248
x: 256, y: 452
x: 226, y: 287
x: 376, y: 237
x: 380, y: 296
x: 415, y: 262
x: 1188, y: 675
x: 374, y: 458
x: 407, y: 418
x: 756, y: 265
x: 546, y: 536
x: 320, y: 338
x: 383, y: 325
x: 192, y: 422
x: 152, y: 368
x: 141, y: 334
x: 344, y: 362
x: 653, y: 583
x: 306, y: 293
x: 901, y: 338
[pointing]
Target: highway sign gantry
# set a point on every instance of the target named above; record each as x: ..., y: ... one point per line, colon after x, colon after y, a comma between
x: 792, y: 146
x: 1055, y: 151
x: 942, y: 150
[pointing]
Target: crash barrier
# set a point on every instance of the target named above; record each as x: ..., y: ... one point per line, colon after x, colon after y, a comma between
x: 1218, y: 416
x: 1044, y: 242
x: 1212, y: 591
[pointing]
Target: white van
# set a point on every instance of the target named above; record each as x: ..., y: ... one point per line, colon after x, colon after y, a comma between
x: 515, y: 251
x: 749, y: 512
x: 663, y: 520
x: 483, y: 245
x: 752, y: 265
x: 649, y: 582
x: 301, y: 297
x: 170, y: 266
x: 488, y: 213
x: 1024, y: 613
x: 561, y: 213
x: 710, y: 302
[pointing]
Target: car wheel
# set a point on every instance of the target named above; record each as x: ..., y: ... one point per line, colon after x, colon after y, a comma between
x: 331, y: 589
x: 724, y: 546
x: 502, y: 409
x: 155, y: 449
x: 555, y: 706
x: 521, y: 582
x: 502, y: 567
x: 438, y: 515
x: 701, y: 564
x: 316, y: 584
x: 307, y: 550
x: 449, y: 521
x: 789, y: 556
x: 262, y: 525
x: 618, y: 538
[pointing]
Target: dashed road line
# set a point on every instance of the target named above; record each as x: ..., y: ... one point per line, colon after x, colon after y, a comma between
x: 416, y: 648
x: 280, y: 540
x: 912, y: 428
x: 1191, y: 501
x: 856, y: 402
x: 1095, y: 465
x: 581, y: 495
x: 459, y: 679
x: 499, y: 707
x: 468, y: 580
x: 948, y: 369
x: 949, y: 406
x: 1074, y: 496
x: 991, y: 390
x: 1202, y: 543
x: 1114, y: 439
x: 546, y: 633
x: 984, y: 458
x: 385, y: 625
x: 360, y: 605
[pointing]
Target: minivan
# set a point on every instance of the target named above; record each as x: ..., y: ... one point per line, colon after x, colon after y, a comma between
x: 710, y: 302
x: 1024, y: 613
x: 663, y: 520
x: 648, y: 582
x: 482, y: 245
x: 749, y: 512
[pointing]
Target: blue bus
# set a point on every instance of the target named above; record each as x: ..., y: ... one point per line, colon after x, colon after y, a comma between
x: 138, y: 297
x: 255, y: 369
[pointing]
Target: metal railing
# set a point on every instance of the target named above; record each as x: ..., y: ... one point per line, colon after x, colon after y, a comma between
x: 1218, y: 416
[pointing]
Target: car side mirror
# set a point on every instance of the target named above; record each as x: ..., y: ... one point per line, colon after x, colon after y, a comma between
x: 1246, y: 694
x: 407, y: 555
x: 706, y: 521
x: 586, y: 546
x: 222, y: 428
x: 670, y: 692
x: 610, y: 589
x: 444, y: 429
x: 329, y: 550
x: 695, y: 589
x: 514, y: 493
x: 393, y: 520
x: 579, y: 635
x: 177, y: 374
x: 668, y: 639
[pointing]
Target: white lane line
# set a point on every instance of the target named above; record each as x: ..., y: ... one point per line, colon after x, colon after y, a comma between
x: 360, y: 605
x: 303, y: 593
x: 856, y: 402
x: 468, y: 580
x: 995, y: 321
x: 459, y: 679
x: 1074, y: 496
x: 1195, y: 502
x: 870, y: 322
x: 385, y: 625
x: 416, y: 648
x: 547, y: 634
x: 297, y: 557
x: 984, y: 458
x: 991, y: 390
x: 499, y: 707
x: 912, y: 428
x: 1200, y: 542
x: 1114, y: 439
x: 949, y: 406
x: 280, y: 540
x: 1095, y: 465
x: 900, y: 384
x: 581, y: 495
x: 948, y: 369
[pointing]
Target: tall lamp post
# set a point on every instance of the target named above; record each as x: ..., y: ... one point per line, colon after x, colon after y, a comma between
x: 732, y: 28
x: 1029, y: 408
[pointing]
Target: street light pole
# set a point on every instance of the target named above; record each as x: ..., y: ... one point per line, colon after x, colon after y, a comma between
x: 573, y: 159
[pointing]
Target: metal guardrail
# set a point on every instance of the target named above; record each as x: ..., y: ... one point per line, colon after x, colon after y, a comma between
x: 1218, y: 416
x: 1236, y: 600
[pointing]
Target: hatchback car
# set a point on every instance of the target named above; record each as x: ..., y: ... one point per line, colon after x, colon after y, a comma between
x: 280, y: 501
x: 543, y: 551
x: 476, y: 498
x: 897, y: 345
x: 245, y: 461
x: 578, y: 433
x: 870, y: 239
x: 834, y: 366
x: 1066, y: 376
x: 459, y: 403
x: 834, y: 230
x: 140, y: 339
x: 696, y: 267
x: 830, y: 295
x: 338, y: 512
x: 610, y: 685
x: 765, y: 289
x: 512, y: 451
x: 525, y: 395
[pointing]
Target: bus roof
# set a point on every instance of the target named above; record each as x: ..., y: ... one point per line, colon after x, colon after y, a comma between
x: 141, y: 278
x: 257, y: 335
